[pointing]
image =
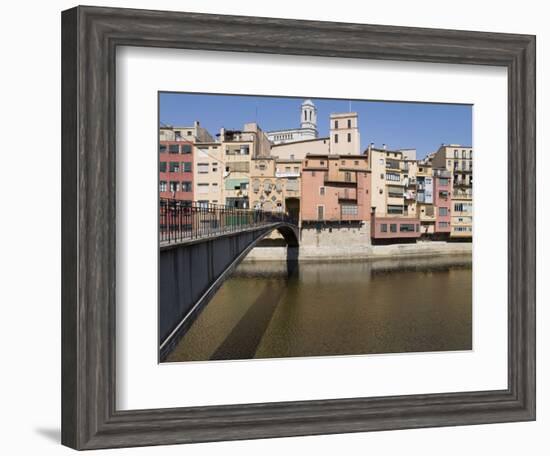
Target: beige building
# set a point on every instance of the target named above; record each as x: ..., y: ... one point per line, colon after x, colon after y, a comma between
x: 457, y: 160
x: 275, y: 185
x: 208, y: 171
x: 299, y: 149
x: 344, y: 134
x: 390, y: 176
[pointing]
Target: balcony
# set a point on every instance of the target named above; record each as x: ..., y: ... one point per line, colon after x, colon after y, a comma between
x: 287, y: 173
x: 462, y: 195
x: 347, y: 194
x: 337, y: 179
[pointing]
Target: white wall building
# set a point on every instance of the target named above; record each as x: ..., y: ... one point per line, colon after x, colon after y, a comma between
x: 307, y: 130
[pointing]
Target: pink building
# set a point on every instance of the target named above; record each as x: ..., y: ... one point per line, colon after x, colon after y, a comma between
x: 176, y: 170
x: 443, y: 190
x: 397, y: 227
x: 335, y: 188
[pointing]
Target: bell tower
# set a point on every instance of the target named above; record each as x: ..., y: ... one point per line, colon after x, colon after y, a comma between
x: 308, y: 119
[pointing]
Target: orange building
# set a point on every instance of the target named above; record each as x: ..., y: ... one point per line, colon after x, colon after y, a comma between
x: 335, y: 188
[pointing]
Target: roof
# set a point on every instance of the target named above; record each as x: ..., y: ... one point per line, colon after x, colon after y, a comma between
x: 301, y: 141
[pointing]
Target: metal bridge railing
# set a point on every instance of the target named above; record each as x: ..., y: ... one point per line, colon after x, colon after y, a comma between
x: 187, y: 220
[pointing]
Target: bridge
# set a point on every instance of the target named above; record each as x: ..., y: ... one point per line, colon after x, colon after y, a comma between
x: 200, y: 245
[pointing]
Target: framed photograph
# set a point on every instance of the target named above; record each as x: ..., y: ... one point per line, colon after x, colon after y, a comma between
x: 279, y: 228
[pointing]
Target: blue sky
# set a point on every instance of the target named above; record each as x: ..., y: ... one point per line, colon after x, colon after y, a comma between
x: 421, y: 126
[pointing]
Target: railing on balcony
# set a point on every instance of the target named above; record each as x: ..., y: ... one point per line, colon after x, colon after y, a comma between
x: 187, y: 220
x: 287, y: 173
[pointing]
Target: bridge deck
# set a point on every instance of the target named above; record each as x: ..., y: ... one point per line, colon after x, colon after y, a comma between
x: 215, y: 233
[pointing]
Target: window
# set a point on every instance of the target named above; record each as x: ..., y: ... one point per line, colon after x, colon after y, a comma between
x: 292, y: 185
x: 162, y: 186
x: 395, y: 209
x: 186, y: 186
x: 174, y: 167
x: 322, y: 191
x: 322, y: 163
x: 395, y: 192
x: 292, y: 156
x: 187, y: 167
x: 320, y: 212
x: 162, y: 148
x: 349, y: 123
x: 262, y: 166
x: 356, y: 162
x: 349, y: 137
x: 335, y: 124
x: 202, y: 168
x: 336, y: 138
x: 393, y: 177
x: 456, y: 153
x: 186, y: 148
x: 162, y: 167
x: 202, y: 188
x: 463, y: 207
x: 406, y: 228
x: 443, y: 181
x: 215, y: 187
x: 349, y: 209
x: 384, y: 227
x: 347, y: 177
x: 393, y: 228
x: 443, y: 211
x: 174, y: 149
x: 174, y: 186
x: 443, y: 224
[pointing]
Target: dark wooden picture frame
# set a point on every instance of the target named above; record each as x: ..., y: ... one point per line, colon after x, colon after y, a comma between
x: 90, y: 37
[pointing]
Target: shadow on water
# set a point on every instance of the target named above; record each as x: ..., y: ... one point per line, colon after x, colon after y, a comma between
x: 242, y: 342
x: 270, y: 309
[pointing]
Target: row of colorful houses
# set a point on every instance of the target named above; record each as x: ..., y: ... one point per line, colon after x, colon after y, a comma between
x: 322, y: 181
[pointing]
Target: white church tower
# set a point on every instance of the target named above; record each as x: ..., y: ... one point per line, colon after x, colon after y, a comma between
x: 309, y: 116
x: 306, y: 132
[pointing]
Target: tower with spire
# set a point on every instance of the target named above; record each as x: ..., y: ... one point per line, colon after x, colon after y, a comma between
x: 308, y: 116
x: 307, y: 130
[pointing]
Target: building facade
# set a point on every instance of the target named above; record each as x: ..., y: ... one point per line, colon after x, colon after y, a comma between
x: 395, y: 213
x: 457, y: 160
x: 176, y: 170
x: 335, y: 189
x: 344, y: 134
x: 208, y: 171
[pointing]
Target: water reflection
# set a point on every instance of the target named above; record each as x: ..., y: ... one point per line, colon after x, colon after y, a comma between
x: 278, y: 309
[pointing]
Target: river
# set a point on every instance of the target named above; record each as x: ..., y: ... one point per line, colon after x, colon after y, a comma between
x: 274, y: 309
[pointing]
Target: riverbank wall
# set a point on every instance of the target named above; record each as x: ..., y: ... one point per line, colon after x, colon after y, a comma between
x: 341, y: 252
x: 353, y: 243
